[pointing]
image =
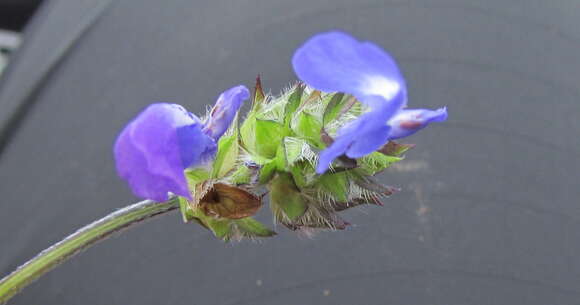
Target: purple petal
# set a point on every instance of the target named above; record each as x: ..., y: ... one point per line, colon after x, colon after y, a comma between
x: 335, y: 61
x: 362, y: 136
x: 334, y: 151
x: 408, y: 121
x: 155, y: 148
x: 225, y: 110
x: 368, y: 142
x: 195, y: 146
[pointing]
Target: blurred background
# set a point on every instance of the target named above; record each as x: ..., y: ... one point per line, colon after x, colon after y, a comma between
x: 14, y: 15
x: 489, y: 211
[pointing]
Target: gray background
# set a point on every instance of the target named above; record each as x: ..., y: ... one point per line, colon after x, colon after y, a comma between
x: 489, y: 212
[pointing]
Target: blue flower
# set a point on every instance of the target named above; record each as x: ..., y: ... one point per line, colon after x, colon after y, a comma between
x: 155, y: 148
x: 335, y: 61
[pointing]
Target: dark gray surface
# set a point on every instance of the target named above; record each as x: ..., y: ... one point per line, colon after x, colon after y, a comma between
x: 489, y: 212
x: 14, y: 14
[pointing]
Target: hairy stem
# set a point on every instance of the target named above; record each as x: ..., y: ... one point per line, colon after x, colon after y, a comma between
x: 79, y: 240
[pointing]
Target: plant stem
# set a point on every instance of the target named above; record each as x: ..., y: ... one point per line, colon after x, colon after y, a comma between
x: 81, y: 239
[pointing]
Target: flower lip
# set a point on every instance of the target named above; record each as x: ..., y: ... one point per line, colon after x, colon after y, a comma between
x: 153, y: 150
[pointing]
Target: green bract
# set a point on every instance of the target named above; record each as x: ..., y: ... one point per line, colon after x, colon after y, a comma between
x: 274, y: 152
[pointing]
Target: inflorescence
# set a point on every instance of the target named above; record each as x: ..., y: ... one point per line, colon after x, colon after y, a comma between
x: 313, y: 150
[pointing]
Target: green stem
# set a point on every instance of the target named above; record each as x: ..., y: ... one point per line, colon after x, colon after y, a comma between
x: 81, y: 239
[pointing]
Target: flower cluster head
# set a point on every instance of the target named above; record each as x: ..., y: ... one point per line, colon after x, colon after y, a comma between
x: 315, y: 147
